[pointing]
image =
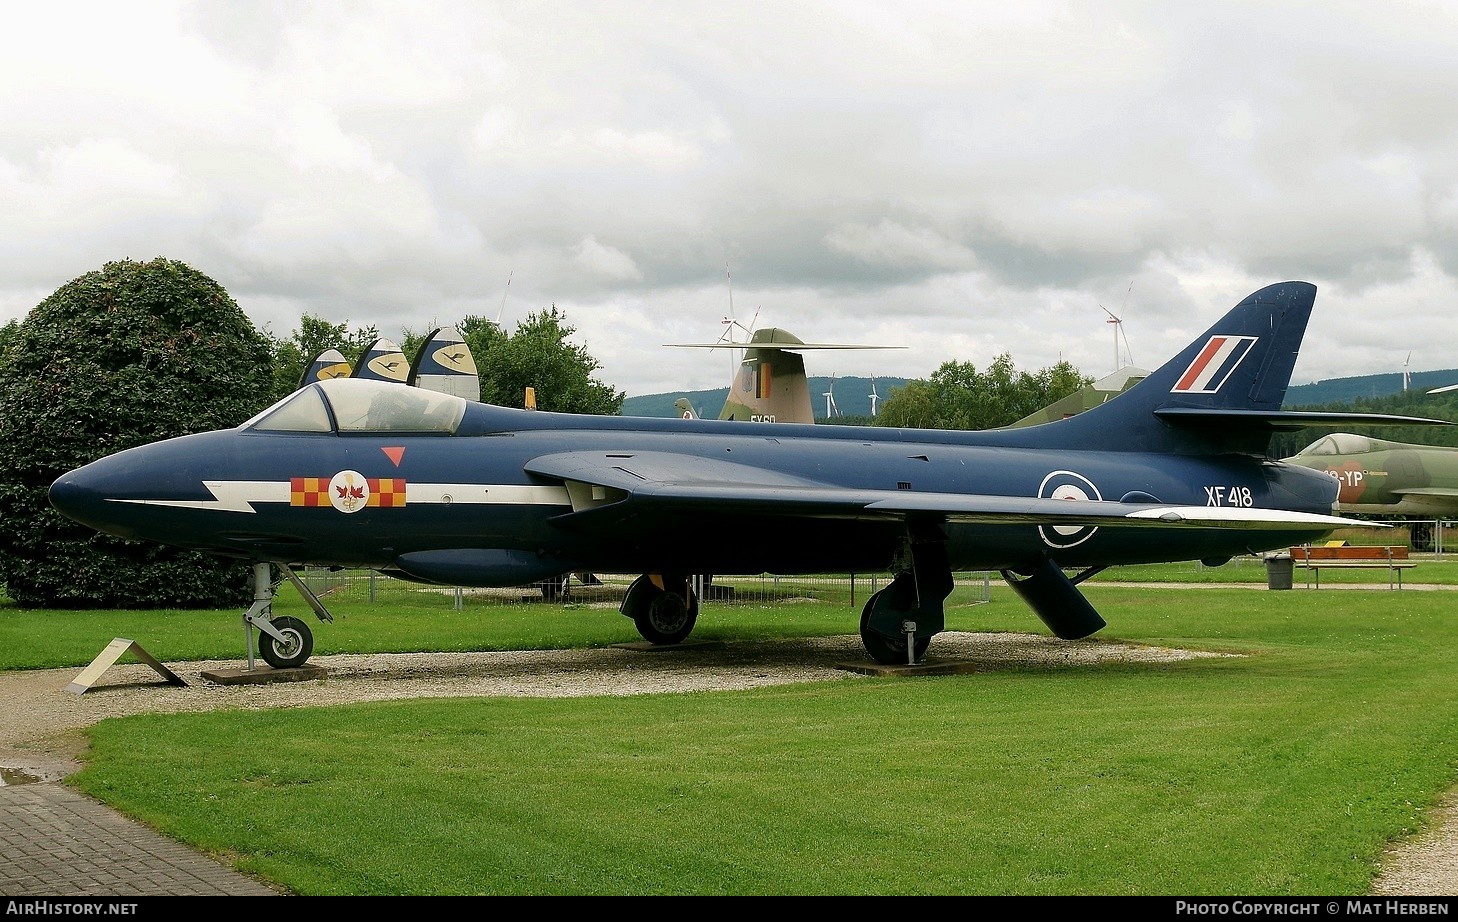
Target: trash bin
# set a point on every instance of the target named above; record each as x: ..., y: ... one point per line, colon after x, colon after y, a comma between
x: 1279, y: 570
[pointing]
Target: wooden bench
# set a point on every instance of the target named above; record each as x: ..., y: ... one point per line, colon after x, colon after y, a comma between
x: 1338, y: 555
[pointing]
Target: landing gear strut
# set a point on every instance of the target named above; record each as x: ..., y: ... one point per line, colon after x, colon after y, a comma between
x: 284, y: 643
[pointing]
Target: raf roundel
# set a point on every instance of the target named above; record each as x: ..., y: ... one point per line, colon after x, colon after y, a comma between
x: 1067, y: 485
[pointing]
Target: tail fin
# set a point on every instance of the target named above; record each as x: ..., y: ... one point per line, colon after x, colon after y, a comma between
x: 444, y: 363
x: 1222, y: 393
x: 330, y: 363
x: 770, y: 385
x: 382, y: 360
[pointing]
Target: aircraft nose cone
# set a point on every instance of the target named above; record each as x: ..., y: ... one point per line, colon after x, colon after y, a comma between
x: 69, y: 496
x: 79, y: 496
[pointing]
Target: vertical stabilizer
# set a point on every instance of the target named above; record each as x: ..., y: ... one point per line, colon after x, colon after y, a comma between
x: 770, y: 385
x: 382, y: 360
x: 330, y: 363
x: 445, y: 364
x: 1218, y: 394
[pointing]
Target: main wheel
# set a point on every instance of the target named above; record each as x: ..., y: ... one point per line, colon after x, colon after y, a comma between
x: 668, y: 615
x: 291, y: 652
x: 885, y: 650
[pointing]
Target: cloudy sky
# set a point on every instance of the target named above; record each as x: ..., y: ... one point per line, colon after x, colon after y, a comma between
x: 959, y: 178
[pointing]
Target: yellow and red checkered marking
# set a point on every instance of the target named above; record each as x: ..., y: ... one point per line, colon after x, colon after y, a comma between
x: 387, y: 491
x: 314, y: 491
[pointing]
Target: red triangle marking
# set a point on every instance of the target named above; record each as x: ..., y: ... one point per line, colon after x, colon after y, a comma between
x: 395, y: 453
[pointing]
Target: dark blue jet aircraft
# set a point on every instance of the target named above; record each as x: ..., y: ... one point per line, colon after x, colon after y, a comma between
x: 430, y: 487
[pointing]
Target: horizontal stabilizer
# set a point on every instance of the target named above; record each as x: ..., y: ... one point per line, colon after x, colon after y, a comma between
x: 776, y: 338
x: 790, y: 347
x: 1287, y: 419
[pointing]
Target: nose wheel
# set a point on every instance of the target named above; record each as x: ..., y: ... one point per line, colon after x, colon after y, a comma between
x: 291, y: 649
x: 284, y: 642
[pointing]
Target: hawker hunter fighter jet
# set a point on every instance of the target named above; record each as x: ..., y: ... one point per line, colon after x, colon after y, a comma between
x: 434, y: 488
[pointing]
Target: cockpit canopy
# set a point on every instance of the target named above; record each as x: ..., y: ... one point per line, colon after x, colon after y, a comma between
x: 360, y: 405
x: 1341, y: 443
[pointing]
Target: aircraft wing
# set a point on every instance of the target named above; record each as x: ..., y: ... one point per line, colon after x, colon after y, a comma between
x: 1429, y: 492
x: 609, y: 487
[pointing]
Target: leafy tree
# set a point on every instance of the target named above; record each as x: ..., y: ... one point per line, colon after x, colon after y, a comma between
x: 536, y: 355
x: 129, y: 354
x: 958, y: 396
x: 9, y: 334
x: 314, y: 335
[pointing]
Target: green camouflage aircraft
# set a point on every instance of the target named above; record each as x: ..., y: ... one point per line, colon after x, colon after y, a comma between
x: 770, y: 385
x: 1087, y: 398
x: 1382, y: 478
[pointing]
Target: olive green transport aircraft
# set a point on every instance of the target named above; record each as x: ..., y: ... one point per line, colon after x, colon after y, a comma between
x: 770, y: 385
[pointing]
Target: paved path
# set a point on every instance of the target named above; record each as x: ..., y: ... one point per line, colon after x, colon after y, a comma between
x: 57, y: 842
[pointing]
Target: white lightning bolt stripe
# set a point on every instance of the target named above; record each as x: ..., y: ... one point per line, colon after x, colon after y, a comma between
x: 240, y: 495
x: 486, y: 493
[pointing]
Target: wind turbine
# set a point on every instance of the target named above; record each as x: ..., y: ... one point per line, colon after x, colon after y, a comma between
x: 1118, y: 323
x: 730, y: 325
x: 830, y: 408
x: 1406, y: 375
x: 874, y: 396
x: 501, y: 312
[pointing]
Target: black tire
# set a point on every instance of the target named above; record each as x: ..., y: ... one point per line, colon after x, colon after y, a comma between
x: 668, y: 617
x: 293, y: 651
x: 885, y: 650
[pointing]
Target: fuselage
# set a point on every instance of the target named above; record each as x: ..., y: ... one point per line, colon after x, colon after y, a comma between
x: 387, y: 499
x: 1380, y: 477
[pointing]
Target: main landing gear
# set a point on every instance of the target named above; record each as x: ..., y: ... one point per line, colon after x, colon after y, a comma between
x: 899, y: 621
x: 664, y: 607
x: 284, y: 643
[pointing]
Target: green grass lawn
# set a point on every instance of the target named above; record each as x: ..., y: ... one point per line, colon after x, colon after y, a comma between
x: 1282, y: 771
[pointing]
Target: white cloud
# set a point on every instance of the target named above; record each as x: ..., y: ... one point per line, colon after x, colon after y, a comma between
x: 605, y: 261
x: 961, y: 179
x: 893, y: 244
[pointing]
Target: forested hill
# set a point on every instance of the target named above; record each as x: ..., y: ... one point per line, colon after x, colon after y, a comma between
x: 1362, y: 387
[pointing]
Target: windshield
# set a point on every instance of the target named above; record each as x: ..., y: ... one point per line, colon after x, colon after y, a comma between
x: 361, y: 405
x: 1340, y: 443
